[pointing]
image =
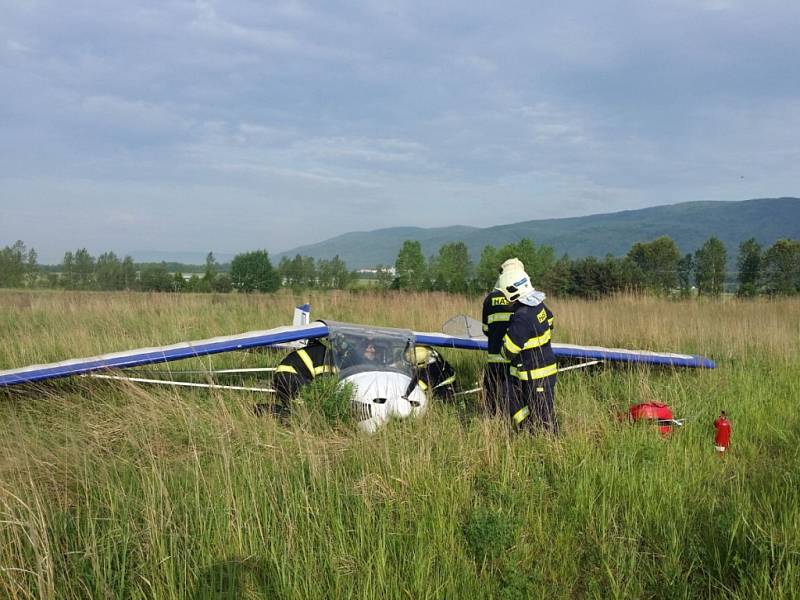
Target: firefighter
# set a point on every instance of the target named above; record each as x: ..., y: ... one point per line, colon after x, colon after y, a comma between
x: 435, y: 375
x: 297, y: 369
x: 527, y: 347
x: 497, y: 381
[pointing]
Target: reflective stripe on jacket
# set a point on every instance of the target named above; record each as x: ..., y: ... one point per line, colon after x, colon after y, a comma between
x: 526, y: 344
x: 315, y: 359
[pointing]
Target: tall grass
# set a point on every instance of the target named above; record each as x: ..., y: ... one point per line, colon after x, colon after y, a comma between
x: 119, y: 491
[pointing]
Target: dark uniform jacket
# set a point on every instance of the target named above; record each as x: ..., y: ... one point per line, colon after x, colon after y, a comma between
x: 526, y: 343
x: 496, y: 316
x: 300, y: 367
x: 438, y: 377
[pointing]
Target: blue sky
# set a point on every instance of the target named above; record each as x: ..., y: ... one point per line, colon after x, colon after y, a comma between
x: 233, y: 126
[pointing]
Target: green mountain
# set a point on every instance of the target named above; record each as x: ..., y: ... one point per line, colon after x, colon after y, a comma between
x: 689, y: 224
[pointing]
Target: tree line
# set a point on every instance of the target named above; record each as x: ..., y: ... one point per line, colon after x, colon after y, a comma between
x: 247, y: 272
x: 656, y: 266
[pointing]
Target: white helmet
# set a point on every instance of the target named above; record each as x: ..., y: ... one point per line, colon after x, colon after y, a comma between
x: 515, y: 284
x: 512, y: 264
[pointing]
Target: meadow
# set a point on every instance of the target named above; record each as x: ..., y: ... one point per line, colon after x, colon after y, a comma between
x: 113, y: 490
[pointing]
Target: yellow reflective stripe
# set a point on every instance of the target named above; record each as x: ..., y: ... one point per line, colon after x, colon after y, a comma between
x: 447, y: 381
x: 535, y: 342
x: 497, y: 317
x: 307, y: 360
x: 511, y: 346
x: 550, y: 321
x: 423, y: 386
x: 285, y: 369
x: 534, y: 373
x: 324, y: 369
x: 485, y: 328
x: 520, y: 415
x: 495, y: 358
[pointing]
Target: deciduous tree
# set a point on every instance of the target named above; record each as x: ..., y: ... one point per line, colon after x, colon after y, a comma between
x: 710, y: 267
x: 657, y: 262
x: 222, y: 283
x: 155, y: 278
x: 68, y: 271
x: 253, y: 272
x: 685, y: 270
x: 383, y: 277
x: 333, y: 274
x: 782, y: 268
x: 488, y: 269
x: 299, y: 272
x: 452, y: 267
x: 209, y: 275
x: 14, y: 264
x: 108, y: 272
x: 128, y: 274
x: 178, y: 282
x: 31, y: 268
x: 749, y: 264
x: 556, y: 281
x: 410, y: 267
x: 82, y: 270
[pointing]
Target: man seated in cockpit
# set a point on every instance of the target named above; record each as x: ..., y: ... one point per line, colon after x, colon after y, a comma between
x: 366, y: 352
x: 369, y: 352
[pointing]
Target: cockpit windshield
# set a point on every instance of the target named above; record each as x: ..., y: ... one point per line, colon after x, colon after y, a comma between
x: 359, y: 349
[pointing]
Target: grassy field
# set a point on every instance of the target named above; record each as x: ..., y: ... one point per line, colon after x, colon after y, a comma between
x: 119, y: 491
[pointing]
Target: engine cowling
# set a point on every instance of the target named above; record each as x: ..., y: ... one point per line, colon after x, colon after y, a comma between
x: 380, y: 396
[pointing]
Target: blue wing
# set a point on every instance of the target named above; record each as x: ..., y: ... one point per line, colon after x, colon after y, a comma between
x: 577, y: 352
x: 146, y: 356
x: 671, y: 359
x: 282, y: 335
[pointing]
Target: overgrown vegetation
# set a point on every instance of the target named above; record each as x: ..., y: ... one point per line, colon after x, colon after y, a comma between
x: 121, y: 491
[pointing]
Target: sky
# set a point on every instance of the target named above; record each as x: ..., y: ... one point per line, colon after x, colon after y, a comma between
x: 195, y: 126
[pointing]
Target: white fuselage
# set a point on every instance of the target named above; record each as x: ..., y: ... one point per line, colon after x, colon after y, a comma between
x: 383, y: 395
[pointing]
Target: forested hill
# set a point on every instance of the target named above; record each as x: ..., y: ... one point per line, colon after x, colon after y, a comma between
x: 689, y: 224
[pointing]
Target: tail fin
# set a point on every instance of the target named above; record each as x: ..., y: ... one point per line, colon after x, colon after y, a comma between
x: 302, y: 315
x: 463, y: 326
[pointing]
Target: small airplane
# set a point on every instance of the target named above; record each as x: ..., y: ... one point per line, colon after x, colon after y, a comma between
x: 383, y: 389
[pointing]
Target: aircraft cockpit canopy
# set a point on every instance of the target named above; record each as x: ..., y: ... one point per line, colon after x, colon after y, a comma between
x: 359, y: 349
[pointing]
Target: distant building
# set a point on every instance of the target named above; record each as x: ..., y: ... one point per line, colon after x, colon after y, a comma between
x: 369, y: 273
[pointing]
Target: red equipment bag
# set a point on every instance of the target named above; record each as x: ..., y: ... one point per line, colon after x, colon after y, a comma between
x: 654, y: 411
